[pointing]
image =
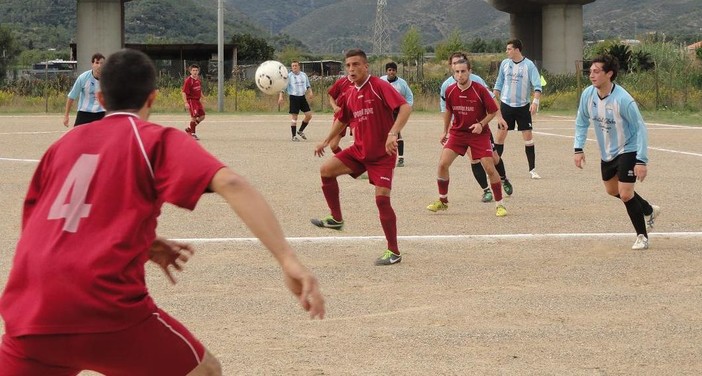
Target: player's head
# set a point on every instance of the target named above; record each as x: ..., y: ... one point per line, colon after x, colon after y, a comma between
x: 604, y: 69
x: 356, y: 65
x: 295, y: 66
x: 391, y: 70
x: 458, y: 55
x: 128, y: 81
x: 97, y: 60
x: 461, y: 71
x: 514, y: 48
x: 194, y: 69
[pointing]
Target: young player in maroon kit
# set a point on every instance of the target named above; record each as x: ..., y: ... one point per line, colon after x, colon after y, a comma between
x: 370, y: 105
x: 76, y: 298
x: 336, y: 94
x: 471, y: 107
x: 192, y: 95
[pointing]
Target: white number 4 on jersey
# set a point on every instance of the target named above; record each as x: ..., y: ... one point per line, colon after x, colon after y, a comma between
x: 77, y: 183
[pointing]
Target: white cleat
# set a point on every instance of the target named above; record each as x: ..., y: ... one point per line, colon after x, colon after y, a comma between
x: 534, y: 175
x: 640, y: 243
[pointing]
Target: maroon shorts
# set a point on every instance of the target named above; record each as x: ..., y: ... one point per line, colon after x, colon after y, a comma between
x: 479, y: 144
x: 196, y: 109
x: 380, y: 171
x: 159, y: 345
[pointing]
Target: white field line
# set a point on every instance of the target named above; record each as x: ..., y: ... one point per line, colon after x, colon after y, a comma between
x: 344, y: 239
x: 649, y: 148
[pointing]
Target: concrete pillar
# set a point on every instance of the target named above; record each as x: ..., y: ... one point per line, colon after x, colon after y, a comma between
x: 100, y: 29
x: 562, y: 37
x: 526, y: 26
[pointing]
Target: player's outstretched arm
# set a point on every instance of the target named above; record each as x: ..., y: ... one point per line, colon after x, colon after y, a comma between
x: 258, y: 216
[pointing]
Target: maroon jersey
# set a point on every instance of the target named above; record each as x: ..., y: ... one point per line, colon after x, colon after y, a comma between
x: 468, y: 106
x: 370, y: 108
x: 338, y: 91
x: 89, y: 219
x: 192, y: 87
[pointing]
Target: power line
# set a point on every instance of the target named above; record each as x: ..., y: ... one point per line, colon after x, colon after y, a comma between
x: 381, y: 36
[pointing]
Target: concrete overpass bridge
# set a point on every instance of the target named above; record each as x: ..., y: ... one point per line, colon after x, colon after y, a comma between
x: 551, y: 30
x: 100, y: 28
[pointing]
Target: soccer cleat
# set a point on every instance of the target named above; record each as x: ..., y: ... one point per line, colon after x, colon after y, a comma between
x: 652, y: 218
x: 437, y: 205
x: 487, y: 195
x: 195, y: 137
x: 188, y: 130
x: 388, y: 258
x: 534, y: 175
x: 507, y: 186
x: 328, y: 222
x: 302, y: 135
x: 501, y: 211
x: 641, y: 242
x: 400, y: 162
x: 295, y: 139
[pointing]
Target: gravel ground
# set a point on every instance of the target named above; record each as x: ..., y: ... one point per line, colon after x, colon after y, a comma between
x: 551, y: 289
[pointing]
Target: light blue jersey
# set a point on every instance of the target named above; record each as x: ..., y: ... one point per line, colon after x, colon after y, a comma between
x: 450, y: 80
x: 618, y: 124
x: 297, y: 84
x: 401, y: 86
x: 516, y: 81
x: 84, y: 90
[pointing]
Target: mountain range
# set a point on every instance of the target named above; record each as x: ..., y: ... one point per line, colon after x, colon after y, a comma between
x: 329, y: 26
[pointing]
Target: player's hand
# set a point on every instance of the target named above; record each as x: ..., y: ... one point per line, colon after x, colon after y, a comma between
x: 391, y: 144
x: 167, y: 253
x: 187, y: 105
x: 303, y: 284
x: 476, y: 128
x: 533, y: 108
x: 501, y: 123
x: 319, y: 150
x: 579, y: 159
x: 336, y: 108
x: 280, y: 100
x: 65, y: 120
x: 640, y: 171
x: 443, y: 139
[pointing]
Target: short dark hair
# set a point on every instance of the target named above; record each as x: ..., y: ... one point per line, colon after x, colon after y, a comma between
x: 128, y: 78
x: 464, y: 61
x: 356, y: 52
x: 193, y: 66
x: 391, y: 65
x: 609, y: 64
x: 516, y: 44
x: 460, y: 54
x: 97, y: 57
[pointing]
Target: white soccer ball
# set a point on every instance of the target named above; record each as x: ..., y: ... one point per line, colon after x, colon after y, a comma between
x: 271, y: 77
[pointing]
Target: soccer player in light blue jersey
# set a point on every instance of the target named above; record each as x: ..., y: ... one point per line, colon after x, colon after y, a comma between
x: 476, y: 167
x: 297, y: 89
x: 403, y: 88
x: 84, y: 90
x: 623, y: 140
x: 517, y: 78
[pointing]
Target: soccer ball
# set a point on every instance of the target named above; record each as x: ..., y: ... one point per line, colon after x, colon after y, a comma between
x: 271, y: 77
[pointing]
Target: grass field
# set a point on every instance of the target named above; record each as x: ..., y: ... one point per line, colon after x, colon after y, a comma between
x: 551, y: 289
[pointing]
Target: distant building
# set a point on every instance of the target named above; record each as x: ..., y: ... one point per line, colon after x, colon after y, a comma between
x: 693, y: 47
x: 321, y: 68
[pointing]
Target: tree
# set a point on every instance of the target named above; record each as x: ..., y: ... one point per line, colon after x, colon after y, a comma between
x: 252, y: 49
x: 411, y: 45
x: 452, y: 44
x: 8, y: 50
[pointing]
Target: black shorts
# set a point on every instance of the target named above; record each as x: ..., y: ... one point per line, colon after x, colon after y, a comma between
x: 298, y: 104
x: 87, y: 117
x: 519, y: 115
x: 622, y: 166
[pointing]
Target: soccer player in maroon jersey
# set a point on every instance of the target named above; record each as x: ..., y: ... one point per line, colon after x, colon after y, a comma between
x: 192, y: 95
x: 76, y: 298
x: 336, y: 94
x: 471, y: 106
x: 370, y: 105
